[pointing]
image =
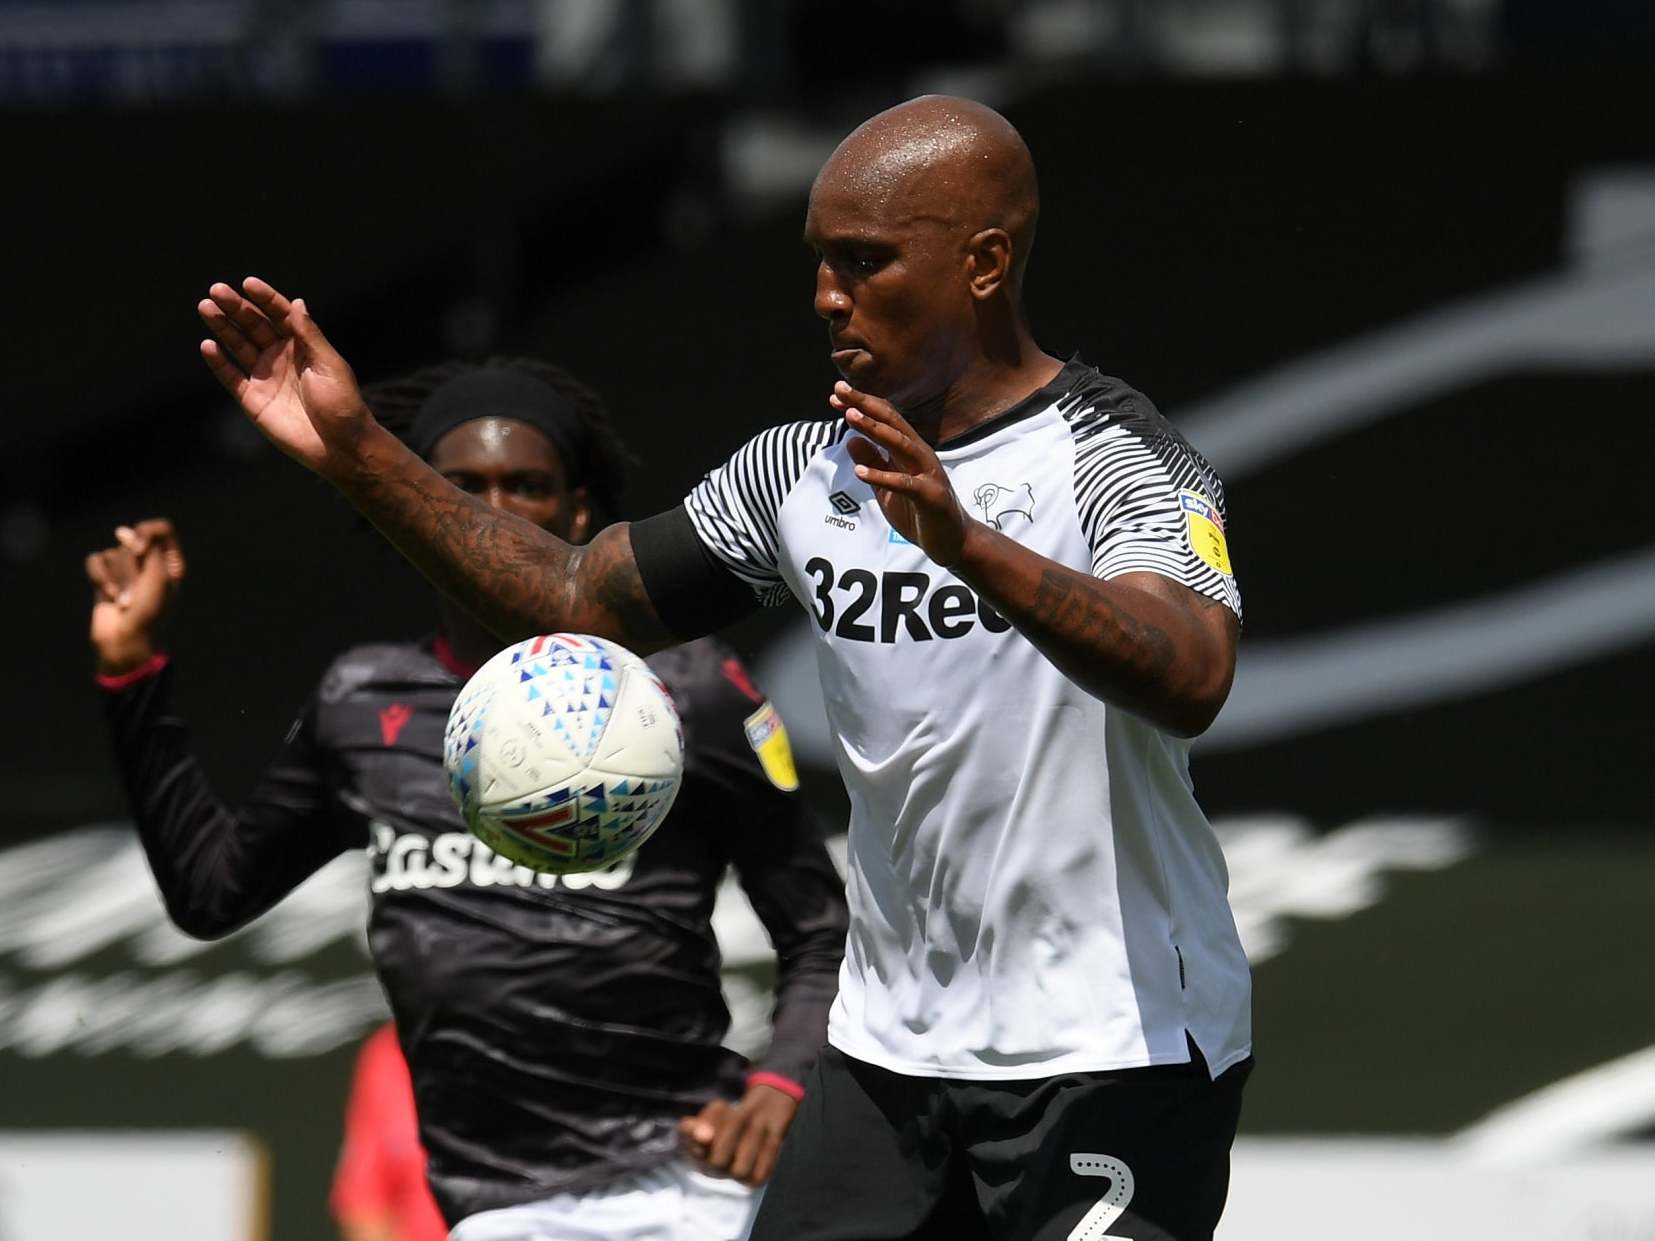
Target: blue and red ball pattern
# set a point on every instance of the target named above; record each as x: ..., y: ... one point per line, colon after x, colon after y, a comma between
x: 557, y: 695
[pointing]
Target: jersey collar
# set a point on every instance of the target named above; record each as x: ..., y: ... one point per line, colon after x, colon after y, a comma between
x: 1073, y: 373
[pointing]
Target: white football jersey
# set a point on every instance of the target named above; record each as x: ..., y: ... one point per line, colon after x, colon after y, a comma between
x: 1033, y: 889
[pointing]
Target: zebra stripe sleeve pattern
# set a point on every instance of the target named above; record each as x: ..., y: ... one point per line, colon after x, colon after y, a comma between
x: 1133, y: 472
x: 734, y: 508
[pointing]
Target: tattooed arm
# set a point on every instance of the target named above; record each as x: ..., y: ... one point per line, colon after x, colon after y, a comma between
x: 1141, y: 641
x: 508, y: 572
x: 513, y: 576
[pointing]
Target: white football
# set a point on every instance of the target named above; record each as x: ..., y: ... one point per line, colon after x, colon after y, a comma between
x: 564, y: 752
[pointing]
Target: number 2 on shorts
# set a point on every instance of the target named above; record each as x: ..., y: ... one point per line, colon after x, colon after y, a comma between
x: 1106, y: 1210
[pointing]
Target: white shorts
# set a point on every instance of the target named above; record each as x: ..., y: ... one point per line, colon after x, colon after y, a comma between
x: 675, y: 1202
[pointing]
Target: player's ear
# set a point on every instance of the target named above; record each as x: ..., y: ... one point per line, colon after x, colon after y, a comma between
x: 988, y: 262
x: 580, y: 515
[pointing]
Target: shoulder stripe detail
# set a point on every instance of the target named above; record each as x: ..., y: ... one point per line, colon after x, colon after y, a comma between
x: 734, y: 508
x: 1130, y: 466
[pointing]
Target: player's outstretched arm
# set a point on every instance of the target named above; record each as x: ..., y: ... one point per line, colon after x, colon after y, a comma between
x: 1141, y: 641
x: 513, y: 576
x: 217, y: 866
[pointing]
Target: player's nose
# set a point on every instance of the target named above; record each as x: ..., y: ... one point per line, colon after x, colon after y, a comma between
x: 831, y: 300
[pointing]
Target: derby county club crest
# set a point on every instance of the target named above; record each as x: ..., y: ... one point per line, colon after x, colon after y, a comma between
x: 1001, y: 506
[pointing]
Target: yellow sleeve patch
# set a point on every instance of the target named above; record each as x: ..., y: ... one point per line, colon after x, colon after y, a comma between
x: 1206, y: 529
x: 768, y: 738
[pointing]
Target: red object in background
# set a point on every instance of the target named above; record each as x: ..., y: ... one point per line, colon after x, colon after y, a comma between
x: 736, y: 675
x: 381, y: 1173
x: 391, y: 721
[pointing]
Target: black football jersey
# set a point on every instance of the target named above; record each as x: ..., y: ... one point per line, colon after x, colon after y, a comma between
x: 557, y: 1027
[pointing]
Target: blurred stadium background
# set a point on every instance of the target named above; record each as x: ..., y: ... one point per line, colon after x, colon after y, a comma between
x: 1391, y: 263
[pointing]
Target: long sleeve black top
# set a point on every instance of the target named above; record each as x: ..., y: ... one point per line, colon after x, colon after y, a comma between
x: 556, y: 1028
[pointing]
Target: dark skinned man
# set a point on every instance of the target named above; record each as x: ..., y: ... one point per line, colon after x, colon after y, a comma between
x: 1019, y: 582
x: 551, y: 1100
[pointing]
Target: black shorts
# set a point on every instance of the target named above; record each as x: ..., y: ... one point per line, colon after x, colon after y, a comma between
x: 878, y: 1156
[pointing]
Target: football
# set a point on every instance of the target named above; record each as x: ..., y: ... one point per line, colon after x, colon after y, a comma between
x: 564, y: 752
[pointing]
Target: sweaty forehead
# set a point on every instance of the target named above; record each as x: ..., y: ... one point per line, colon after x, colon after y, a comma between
x: 935, y: 158
x: 887, y: 157
x: 869, y: 195
x: 495, y: 442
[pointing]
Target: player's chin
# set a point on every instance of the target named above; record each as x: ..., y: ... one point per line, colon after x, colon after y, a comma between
x: 856, y: 367
x: 868, y: 377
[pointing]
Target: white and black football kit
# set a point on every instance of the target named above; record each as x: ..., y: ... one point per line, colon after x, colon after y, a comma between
x: 556, y: 1028
x: 1035, y: 894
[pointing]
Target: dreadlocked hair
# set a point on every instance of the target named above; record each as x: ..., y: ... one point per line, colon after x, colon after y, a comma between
x: 396, y: 401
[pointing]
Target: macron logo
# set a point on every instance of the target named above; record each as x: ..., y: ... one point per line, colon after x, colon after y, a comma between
x: 391, y: 722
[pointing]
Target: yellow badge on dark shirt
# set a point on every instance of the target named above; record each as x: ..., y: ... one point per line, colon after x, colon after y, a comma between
x: 769, y: 741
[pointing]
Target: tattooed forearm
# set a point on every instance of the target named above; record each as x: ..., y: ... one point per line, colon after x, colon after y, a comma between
x: 1140, y: 641
x: 618, y: 589
x: 504, y: 570
x: 513, y: 576
x: 1076, y: 612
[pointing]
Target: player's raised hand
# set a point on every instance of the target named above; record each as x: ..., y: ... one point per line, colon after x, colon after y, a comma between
x: 269, y: 354
x: 908, y: 480
x: 133, y: 583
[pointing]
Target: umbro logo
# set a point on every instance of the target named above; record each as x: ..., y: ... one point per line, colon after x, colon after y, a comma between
x: 843, y: 506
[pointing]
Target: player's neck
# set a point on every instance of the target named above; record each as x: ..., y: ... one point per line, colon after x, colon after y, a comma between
x: 989, y: 385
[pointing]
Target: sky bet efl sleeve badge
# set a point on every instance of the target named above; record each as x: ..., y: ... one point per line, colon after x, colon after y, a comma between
x: 1206, y: 531
x: 769, y: 741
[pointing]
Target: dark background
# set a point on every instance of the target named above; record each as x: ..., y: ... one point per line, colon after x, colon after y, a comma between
x: 1194, y: 234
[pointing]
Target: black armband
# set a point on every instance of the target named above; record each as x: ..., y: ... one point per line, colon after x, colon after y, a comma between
x: 692, y: 591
